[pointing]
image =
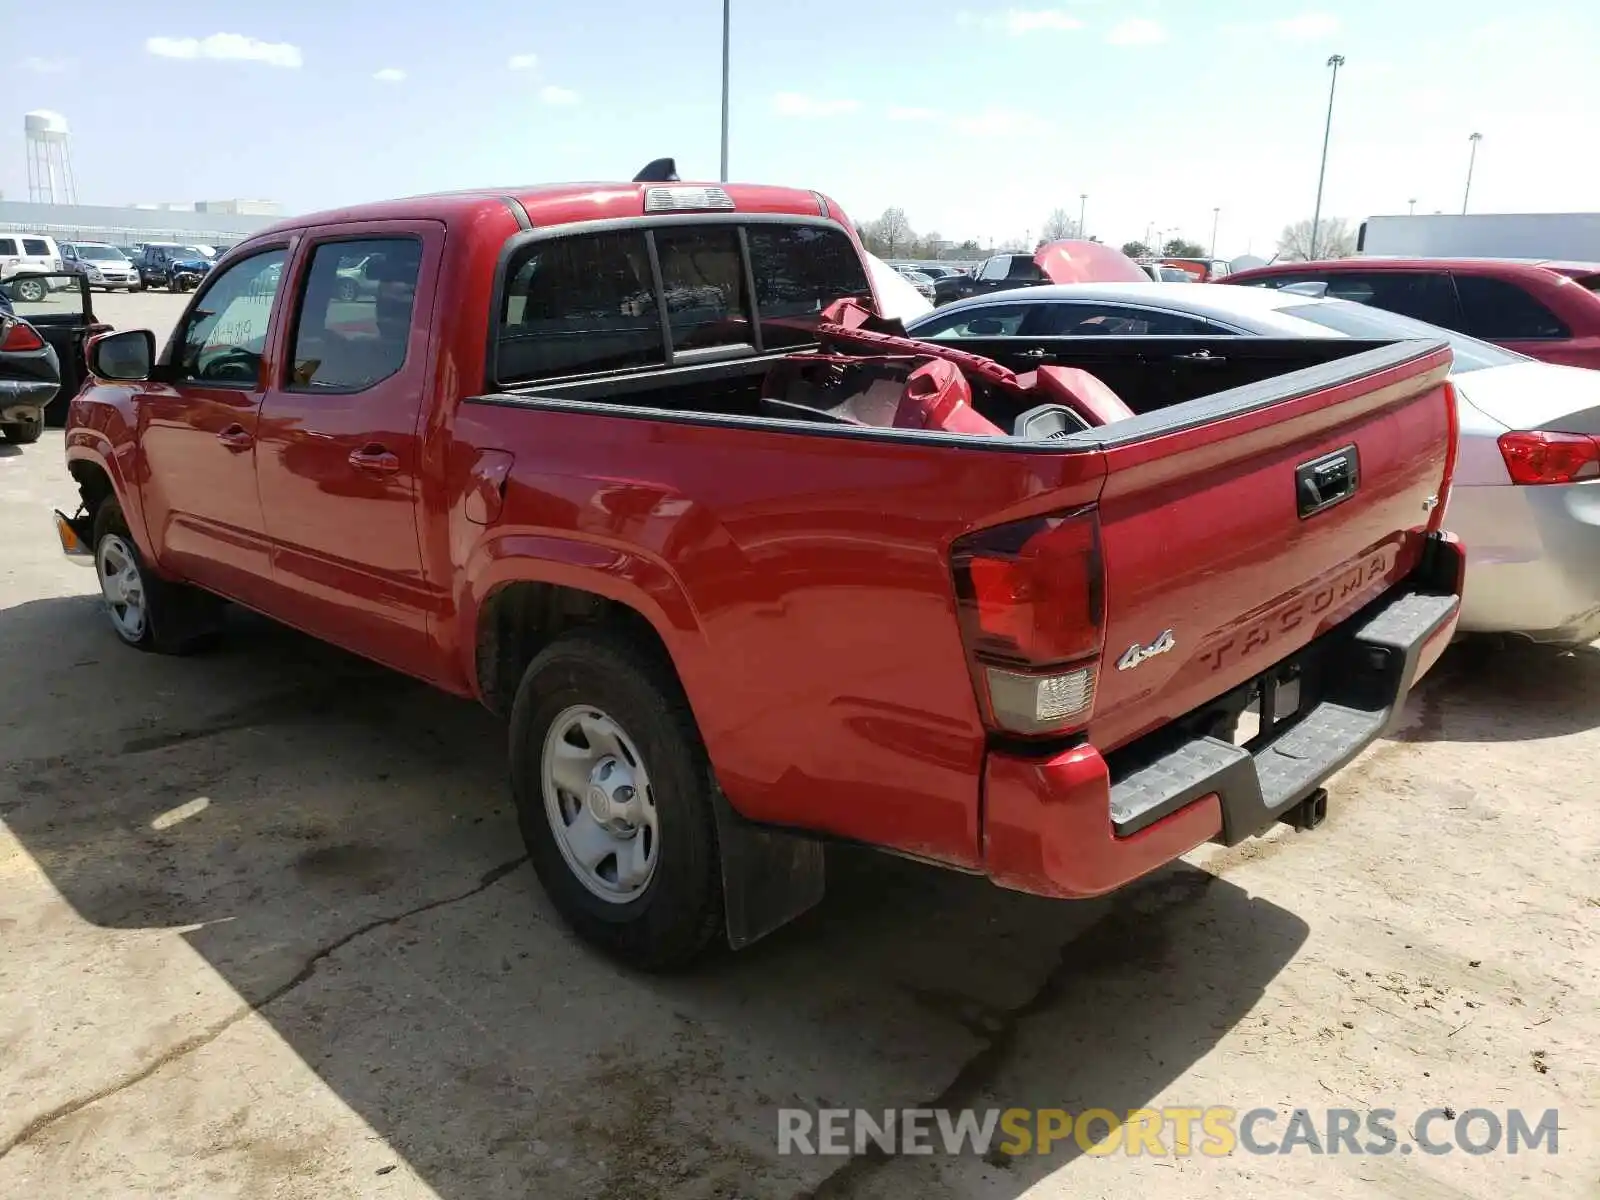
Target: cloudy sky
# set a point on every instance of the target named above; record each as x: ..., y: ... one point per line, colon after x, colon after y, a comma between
x: 976, y: 118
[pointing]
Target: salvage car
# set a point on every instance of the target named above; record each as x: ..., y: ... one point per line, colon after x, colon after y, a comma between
x: 1526, y: 495
x: 102, y: 264
x: 41, y: 350
x: 171, y: 266
x: 1546, y: 310
x: 765, y: 572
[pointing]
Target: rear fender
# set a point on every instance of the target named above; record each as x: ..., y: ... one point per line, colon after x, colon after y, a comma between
x: 769, y: 876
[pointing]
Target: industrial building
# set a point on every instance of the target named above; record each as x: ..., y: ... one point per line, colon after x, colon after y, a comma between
x: 52, y: 207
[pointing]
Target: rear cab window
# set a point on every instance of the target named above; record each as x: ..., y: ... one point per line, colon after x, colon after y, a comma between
x: 654, y: 296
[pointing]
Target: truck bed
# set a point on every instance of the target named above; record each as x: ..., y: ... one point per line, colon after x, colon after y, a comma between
x: 800, y: 574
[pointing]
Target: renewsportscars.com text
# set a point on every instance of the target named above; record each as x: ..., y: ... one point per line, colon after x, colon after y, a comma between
x: 1165, y: 1132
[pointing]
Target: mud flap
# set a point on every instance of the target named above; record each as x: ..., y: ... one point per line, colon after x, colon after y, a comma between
x: 769, y: 877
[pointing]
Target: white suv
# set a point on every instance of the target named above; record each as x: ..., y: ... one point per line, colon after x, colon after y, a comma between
x: 28, y: 254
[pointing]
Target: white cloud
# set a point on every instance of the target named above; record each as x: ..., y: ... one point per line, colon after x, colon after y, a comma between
x: 46, y: 66
x: 390, y: 75
x: 227, y: 46
x: 1306, y: 27
x: 523, y: 62
x: 1137, y: 31
x: 1019, y: 21
x: 559, y: 96
x: 911, y: 113
x: 998, y: 122
x: 795, y: 104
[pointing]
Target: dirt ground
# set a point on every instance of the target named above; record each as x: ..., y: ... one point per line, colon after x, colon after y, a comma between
x: 267, y: 931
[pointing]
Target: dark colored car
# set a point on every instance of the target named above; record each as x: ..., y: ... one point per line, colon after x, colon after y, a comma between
x: 996, y: 273
x: 42, y: 339
x: 1546, y: 310
x: 171, y: 266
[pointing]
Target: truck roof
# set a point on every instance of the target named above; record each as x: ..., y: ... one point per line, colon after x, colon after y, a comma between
x: 567, y: 203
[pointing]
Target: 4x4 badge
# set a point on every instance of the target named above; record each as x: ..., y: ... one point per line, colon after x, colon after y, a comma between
x: 1136, y: 654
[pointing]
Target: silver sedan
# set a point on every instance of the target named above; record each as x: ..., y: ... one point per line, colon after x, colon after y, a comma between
x: 1526, y: 496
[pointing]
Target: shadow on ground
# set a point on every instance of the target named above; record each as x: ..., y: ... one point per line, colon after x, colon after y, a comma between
x: 1507, y: 690
x: 350, y: 866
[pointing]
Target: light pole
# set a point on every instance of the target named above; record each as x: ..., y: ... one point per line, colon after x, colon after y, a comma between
x: 1083, y: 207
x: 1471, y: 161
x: 1216, y: 216
x: 726, y: 17
x: 1412, y: 211
x: 1335, y: 61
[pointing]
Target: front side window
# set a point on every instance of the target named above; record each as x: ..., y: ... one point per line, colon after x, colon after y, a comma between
x: 702, y: 275
x: 354, y: 322
x: 8, y: 246
x: 1502, y: 312
x: 994, y: 269
x: 225, y: 335
x: 799, y: 271
x: 575, y: 305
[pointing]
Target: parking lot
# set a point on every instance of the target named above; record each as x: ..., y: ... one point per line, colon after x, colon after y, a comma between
x: 268, y: 930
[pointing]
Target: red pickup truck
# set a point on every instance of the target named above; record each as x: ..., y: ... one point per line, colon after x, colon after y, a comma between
x: 749, y: 570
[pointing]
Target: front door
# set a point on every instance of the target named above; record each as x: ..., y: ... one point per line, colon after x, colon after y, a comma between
x: 340, y: 451
x: 199, y: 418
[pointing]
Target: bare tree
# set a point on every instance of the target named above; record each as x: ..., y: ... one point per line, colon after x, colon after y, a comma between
x: 1013, y: 245
x: 891, y: 234
x: 1335, y: 239
x: 1059, y: 225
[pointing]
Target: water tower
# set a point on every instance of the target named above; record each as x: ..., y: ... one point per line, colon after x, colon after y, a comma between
x: 49, y: 158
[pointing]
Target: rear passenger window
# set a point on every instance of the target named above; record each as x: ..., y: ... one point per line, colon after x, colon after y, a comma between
x: 1421, y: 296
x: 36, y: 247
x: 1498, y: 311
x: 799, y: 270
x: 354, y: 322
x: 575, y: 305
x: 1110, y: 320
x: 702, y: 272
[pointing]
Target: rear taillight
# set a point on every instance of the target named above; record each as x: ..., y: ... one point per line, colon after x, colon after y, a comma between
x: 1534, y: 456
x: 1032, y: 618
x: 17, y: 336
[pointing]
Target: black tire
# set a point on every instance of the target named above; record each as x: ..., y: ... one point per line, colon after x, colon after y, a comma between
x: 25, y: 432
x: 29, y: 290
x: 679, y: 912
x: 178, y: 619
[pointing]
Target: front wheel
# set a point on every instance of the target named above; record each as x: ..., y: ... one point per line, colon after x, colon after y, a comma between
x: 29, y: 290
x: 146, y: 611
x: 613, y: 791
x: 24, y: 432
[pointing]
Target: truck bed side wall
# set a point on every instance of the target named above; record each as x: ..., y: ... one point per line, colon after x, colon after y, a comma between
x: 815, y: 634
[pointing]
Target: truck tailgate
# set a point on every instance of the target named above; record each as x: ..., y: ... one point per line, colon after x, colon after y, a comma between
x: 1234, y: 533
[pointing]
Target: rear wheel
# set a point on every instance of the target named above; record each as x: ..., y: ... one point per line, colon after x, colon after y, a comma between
x: 30, y: 290
x: 146, y: 611
x: 24, y: 432
x: 613, y: 793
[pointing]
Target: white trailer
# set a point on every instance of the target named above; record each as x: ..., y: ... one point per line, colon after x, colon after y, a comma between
x: 1569, y: 236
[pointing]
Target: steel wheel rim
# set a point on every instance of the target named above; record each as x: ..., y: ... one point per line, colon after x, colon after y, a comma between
x: 121, y: 586
x: 598, y: 800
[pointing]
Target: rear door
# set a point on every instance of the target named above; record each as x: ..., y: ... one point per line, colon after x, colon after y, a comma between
x: 341, y: 441
x: 1499, y: 311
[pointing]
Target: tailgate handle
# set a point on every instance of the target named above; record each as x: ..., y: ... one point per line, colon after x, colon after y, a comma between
x: 1326, y: 481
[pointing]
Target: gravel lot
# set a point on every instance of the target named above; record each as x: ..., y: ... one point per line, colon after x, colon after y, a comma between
x: 267, y: 931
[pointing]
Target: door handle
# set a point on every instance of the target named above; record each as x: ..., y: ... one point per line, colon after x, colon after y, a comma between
x: 236, y: 437
x: 376, y: 459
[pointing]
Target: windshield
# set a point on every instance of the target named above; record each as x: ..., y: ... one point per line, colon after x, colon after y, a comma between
x: 1360, y: 321
x: 101, y: 253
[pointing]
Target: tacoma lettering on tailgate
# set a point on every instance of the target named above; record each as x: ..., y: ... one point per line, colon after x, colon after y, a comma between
x: 1292, y: 613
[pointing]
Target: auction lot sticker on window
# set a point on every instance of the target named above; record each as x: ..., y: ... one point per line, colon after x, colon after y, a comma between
x: 1181, y: 1132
